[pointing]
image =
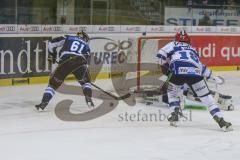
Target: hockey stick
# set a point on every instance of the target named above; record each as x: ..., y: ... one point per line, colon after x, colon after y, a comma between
x: 164, y: 87
x: 161, y: 90
x: 110, y: 94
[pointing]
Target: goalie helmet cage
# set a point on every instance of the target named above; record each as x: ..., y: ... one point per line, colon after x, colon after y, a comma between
x: 145, y: 49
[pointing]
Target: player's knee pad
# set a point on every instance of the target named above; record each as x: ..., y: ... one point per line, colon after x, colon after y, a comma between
x: 174, y: 97
x: 174, y: 93
x: 83, y: 82
x: 208, y: 100
x: 200, y: 88
x: 212, y: 105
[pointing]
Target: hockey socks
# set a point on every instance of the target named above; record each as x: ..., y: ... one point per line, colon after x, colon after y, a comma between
x: 87, y: 91
x: 47, y: 96
x: 215, y: 111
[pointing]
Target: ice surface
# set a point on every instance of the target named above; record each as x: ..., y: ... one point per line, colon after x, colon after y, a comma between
x: 28, y: 135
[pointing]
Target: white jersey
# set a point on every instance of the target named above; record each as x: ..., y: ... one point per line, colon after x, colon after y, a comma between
x: 182, y: 59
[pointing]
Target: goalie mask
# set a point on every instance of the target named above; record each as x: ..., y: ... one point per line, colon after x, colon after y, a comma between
x: 83, y: 35
x: 182, y: 36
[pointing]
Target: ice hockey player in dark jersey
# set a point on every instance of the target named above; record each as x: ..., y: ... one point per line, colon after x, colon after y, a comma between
x: 183, y: 66
x: 73, y: 58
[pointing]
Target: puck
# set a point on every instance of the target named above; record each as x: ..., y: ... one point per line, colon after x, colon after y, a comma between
x: 111, y: 104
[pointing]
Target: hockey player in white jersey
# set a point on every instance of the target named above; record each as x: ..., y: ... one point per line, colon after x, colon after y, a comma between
x: 224, y: 101
x: 181, y: 63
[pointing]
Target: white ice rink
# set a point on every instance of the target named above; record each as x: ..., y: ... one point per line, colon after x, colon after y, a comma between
x: 28, y: 135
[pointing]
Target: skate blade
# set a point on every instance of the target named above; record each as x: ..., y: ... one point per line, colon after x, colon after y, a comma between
x: 174, y: 124
x: 227, y: 129
x: 230, y: 108
x: 38, y: 109
x: 90, y: 105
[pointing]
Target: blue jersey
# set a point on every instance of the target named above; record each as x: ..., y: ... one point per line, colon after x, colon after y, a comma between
x: 182, y: 59
x: 71, y: 45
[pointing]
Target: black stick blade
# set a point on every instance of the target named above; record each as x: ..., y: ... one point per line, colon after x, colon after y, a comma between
x: 123, y: 97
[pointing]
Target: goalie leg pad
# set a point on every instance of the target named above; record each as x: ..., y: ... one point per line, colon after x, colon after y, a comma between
x: 226, y: 104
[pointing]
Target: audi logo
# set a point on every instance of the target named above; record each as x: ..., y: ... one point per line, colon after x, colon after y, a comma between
x: 35, y: 28
x: 57, y: 28
x: 120, y: 45
x: 10, y: 28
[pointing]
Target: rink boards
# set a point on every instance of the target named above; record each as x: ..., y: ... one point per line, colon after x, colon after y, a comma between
x: 24, y: 56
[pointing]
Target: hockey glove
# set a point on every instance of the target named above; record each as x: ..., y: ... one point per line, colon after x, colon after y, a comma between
x: 52, y: 59
x: 165, y: 69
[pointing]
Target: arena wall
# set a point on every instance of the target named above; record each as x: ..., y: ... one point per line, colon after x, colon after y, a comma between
x: 23, y: 48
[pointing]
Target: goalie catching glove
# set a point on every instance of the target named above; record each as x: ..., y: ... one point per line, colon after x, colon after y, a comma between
x: 52, y: 55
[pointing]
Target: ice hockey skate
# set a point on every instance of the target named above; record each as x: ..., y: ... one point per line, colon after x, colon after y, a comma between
x: 174, y: 117
x: 89, y: 101
x: 225, y: 126
x: 41, y: 106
